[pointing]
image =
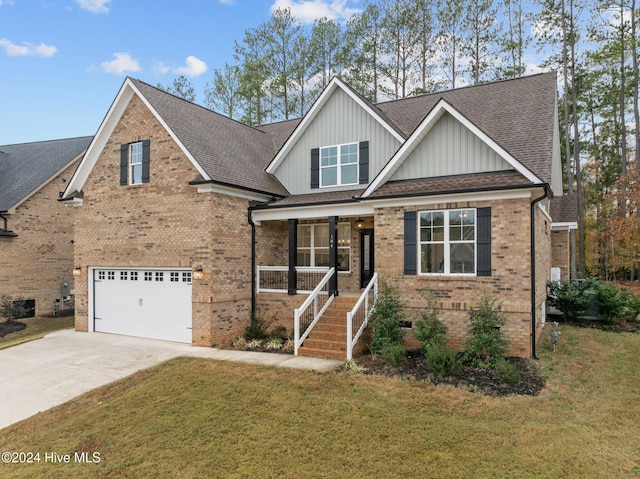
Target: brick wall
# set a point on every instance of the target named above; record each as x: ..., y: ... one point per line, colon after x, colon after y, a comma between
x: 561, y: 256
x: 543, y: 265
x: 35, y: 263
x: 166, y: 223
x: 510, y: 281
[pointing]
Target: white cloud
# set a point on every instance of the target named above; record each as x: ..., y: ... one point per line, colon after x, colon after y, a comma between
x: 94, y: 6
x: 9, y: 2
x: 121, y: 64
x: 159, y: 68
x: 27, y: 49
x: 224, y: 2
x: 306, y: 11
x: 194, y: 67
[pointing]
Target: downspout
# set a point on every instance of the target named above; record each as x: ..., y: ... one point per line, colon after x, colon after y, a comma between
x: 253, y: 262
x: 533, y: 270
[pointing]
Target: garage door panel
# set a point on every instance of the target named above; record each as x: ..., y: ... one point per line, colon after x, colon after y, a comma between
x: 146, y: 303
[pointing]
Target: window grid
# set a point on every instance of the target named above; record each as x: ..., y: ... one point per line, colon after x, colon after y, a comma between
x: 313, y: 246
x: 175, y: 277
x: 159, y: 276
x: 124, y: 276
x: 339, y: 165
x: 186, y: 277
x: 135, y: 163
x: 101, y: 275
x: 448, y: 242
x: 111, y: 275
x: 148, y: 276
x: 134, y: 276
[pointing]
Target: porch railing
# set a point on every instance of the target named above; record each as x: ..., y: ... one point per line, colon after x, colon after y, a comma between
x: 307, y: 315
x: 274, y: 279
x: 358, y: 317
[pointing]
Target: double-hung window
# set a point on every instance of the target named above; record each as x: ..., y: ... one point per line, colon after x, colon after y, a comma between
x: 448, y: 242
x: 313, y: 246
x: 339, y: 165
x: 135, y: 163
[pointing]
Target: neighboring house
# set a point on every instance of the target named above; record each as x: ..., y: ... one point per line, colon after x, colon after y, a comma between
x: 189, y: 221
x: 36, y: 235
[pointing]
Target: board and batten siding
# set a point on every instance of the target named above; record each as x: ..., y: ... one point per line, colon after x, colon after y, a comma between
x: 450, y: 148
x: 341, y: 120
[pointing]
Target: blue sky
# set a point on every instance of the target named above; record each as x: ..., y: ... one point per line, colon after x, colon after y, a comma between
x: 63, y: 61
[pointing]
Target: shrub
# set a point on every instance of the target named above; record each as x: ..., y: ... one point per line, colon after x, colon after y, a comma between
x: 386, y: 319
x: 507, y: 372
x: 11, y: 309
x: 274, y: 343
x: 279, y: 332
x: 429, y: 329
x: 257, y: 328
x: 485, y: 344
x: 610, y: 300
x: 395, y: 354
x: 442, y: 361
x: 569, y: 297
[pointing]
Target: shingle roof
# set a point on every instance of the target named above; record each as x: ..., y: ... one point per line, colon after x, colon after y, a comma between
x: 24, y: 167
x: 564, y: 209
x: 230, y: 152
x: 517, y: 114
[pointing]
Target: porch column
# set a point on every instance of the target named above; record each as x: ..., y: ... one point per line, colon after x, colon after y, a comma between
x: 293, y: 254
x: 333, y: 254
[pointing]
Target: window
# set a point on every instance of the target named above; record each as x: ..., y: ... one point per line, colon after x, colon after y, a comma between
x: 135, y: 163
x: 148, y: 276
x: 313, y: 246
x: 101, y: 275
x: 159, y: 276
x: 175, y: 277
x: 134, y: 276
x: 123, y: 275
x: 339, y: 165
x: 111, y: 275
x: 186, y: 277
x: 448, y: 242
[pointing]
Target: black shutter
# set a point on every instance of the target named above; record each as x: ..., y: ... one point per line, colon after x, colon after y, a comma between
x: 363, y: 159
x: 124, y: 164
x: 483, y: 218
x: 146, y: 156
x: 315, y: 168
x: 410, y: 235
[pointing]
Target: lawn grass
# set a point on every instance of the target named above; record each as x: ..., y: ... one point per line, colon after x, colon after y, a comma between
x: 202, y: 418
x: 36, y: 329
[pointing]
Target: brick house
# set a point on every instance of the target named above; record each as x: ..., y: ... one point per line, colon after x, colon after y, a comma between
x: 189, y: 221
x: 36, y: 235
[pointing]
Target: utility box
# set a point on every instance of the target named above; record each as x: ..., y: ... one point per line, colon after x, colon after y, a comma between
x: 64, y: 289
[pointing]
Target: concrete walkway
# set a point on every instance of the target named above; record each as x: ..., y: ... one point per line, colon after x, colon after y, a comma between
x: 41, y: 374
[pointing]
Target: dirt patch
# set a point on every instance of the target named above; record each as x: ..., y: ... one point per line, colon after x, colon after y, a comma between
x: 473, y: 379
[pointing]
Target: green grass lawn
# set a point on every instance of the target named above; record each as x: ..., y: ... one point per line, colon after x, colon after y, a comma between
x: 36, y: 329
x: 202, y: 418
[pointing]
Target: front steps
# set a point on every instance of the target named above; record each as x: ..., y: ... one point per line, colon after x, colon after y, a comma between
x: 328, y: 339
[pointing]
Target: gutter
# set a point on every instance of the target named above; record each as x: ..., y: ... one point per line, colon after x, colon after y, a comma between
x: 533, y: 269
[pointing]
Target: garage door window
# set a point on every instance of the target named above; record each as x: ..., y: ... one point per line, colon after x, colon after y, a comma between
x: 159, y: 276
x: 124, y: 276
x: 186, y: 277
x: 134, y: 276
x: 148, y: 276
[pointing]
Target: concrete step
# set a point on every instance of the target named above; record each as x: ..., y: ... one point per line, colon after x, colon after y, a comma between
x: 322, y: 353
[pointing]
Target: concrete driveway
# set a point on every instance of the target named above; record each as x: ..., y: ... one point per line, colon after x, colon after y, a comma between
x: 41, y: 374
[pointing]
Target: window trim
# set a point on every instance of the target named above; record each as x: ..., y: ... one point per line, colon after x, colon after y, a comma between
x: 138, y: 164
x: 311, y: 248
x: 339, y: 165
x: 447, y: 242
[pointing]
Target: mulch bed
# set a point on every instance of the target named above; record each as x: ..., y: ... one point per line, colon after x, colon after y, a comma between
x: 11, y: 327
x: 473, y: 379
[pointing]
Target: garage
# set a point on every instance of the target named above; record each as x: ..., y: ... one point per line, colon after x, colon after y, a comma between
x: 144, y: 302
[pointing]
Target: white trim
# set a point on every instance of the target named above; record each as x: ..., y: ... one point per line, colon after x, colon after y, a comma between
x: 230, y: 191
x: 118, y: 107
x: 421, y: 131
x: 334, y: 84
x: 562, y: 226
x: 544, y: 211
x: 74, y: 203
x: 452, y: 197
x: 311, y: 212
x: 338, y: 166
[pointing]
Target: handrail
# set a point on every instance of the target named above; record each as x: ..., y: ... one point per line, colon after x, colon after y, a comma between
x: 364, y: 297
x: 311, y: 299
x: 277, y: 281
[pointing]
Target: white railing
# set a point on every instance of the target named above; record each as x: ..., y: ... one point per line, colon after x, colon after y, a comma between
x: 305, y: 317
x: 358, y: 317
x: 275, y: 279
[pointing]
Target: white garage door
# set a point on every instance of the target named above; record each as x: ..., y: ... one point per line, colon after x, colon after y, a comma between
x: 148, y: 303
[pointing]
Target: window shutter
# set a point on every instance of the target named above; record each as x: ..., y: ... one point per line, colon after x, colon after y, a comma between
x: 124, y: 164
x: 146, y: 156
x: 483, y: 217
x: 410, y: 235
x: 315, y: 168
x: 363, y: 159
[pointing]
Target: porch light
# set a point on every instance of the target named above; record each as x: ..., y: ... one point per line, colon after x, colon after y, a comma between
x: 77, y: 271
x: 197, y: 273
x: 359, y: 222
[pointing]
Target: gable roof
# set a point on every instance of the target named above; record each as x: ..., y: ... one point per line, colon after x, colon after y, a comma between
x: 25, y: 167
x: 222, y: 150
x: 564, y: 209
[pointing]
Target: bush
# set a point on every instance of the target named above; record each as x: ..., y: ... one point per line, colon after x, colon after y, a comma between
x: 610, y: 300
x: 11, y: 309
x: 569, y: 297
x: 386, y: 319
x: 507, y: 372
x: 257, y: 328
x: 428, y: 327
x: 442, y: 361
x: 279, y: 332
x: 395, y: 354
x: 484, y: 344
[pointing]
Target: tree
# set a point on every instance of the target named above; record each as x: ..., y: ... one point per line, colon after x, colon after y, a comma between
x: 223, y: 93
x: 450, y: 20
x: 182, y: 88
x: 253, y: 75
x: 514, y: 41
x: 325, y: 45
x: 481, y: 32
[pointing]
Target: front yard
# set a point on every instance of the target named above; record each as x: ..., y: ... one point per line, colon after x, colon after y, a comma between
x: 203, y: 418
x: 36, y: 328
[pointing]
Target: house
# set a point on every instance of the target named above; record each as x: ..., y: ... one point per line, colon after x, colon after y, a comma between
x: 36, y: 235
x: 188, y: 221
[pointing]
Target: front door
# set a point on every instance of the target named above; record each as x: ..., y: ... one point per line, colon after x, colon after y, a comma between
x: 366, y: 257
